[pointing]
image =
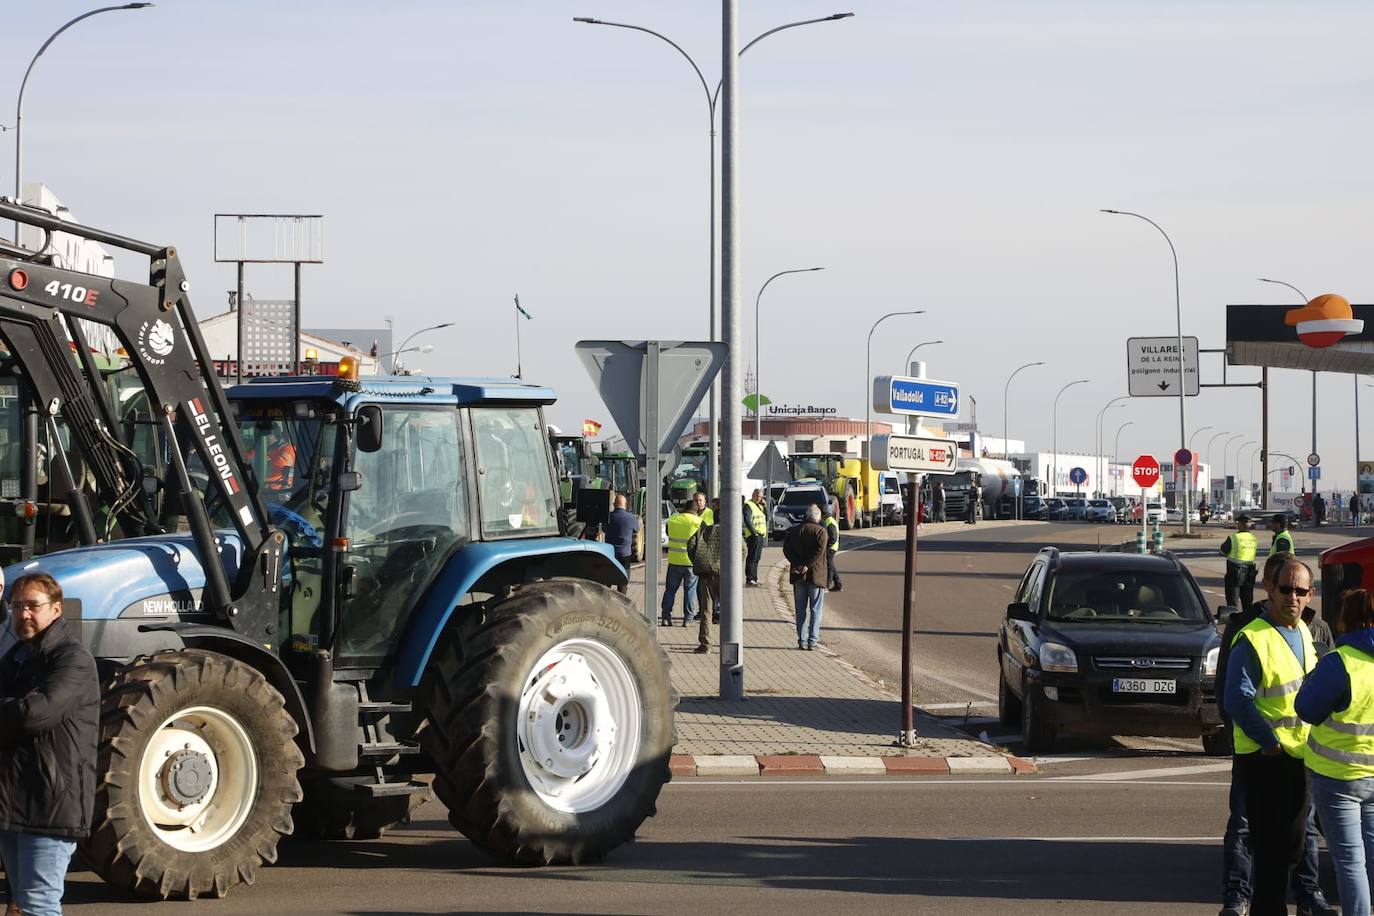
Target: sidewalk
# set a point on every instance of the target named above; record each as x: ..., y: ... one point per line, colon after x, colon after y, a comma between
x: 804, y: 712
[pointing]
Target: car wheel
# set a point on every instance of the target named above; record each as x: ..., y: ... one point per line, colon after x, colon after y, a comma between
x: 1037, y: 733
x: 1218, y: 744
x: 1008, y: 705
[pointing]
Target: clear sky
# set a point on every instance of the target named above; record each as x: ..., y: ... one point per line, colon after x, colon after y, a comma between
x: 946, y: 155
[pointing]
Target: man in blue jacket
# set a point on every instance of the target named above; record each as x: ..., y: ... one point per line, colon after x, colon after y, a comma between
x: 1269, y: 658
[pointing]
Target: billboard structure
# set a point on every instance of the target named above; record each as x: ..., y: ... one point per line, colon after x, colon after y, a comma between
x: 268, y: 333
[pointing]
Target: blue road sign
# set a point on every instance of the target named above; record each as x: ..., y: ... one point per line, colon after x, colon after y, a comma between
x: 1078, y: 476
x: 915, y: 396
x: 1314, y: 473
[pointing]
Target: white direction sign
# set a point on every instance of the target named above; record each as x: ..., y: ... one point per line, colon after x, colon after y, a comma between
x: 912, y: 454
x: 1152, y: 366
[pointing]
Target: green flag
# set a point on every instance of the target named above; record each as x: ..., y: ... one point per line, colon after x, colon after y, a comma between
x: 520, y: 310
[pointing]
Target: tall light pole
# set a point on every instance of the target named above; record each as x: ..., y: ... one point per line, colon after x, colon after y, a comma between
x: 1099, y: 445
x: 1303, y: 297
x: 436, y: 327
x: 866, y: 451
x: 1182, y: 377
x: 1226, y: 447
x: 1210, y: 443
x: 758, y: 398
x: 1116, y: 449
x: 1006, y: 389
x: 912, y: 354
x: 19, y: 108
x: 1197, y: 465
x: 1054, y: 455
x: 711, y: 99
x: 1253, y: 455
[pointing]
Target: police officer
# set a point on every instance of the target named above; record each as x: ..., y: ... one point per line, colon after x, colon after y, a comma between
x: 681, y: 525
x: 832, y: 536
x: 1239, y: 550
x: 756, y: 536
x: 1282, y: 541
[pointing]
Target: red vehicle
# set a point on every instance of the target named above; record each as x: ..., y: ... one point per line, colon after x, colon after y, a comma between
x: 1344, y: 568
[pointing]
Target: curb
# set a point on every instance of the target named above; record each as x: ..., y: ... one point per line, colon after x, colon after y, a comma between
x: 813, y: 765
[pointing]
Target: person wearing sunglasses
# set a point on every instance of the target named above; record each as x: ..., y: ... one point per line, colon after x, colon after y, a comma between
x: 1237, y: 867
x: 1338, y: 700
x: 49, y: 716
x: 1270, y: 657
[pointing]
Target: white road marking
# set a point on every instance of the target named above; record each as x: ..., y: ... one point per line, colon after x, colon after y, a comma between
x: 976, y: 704
x: 1150, y: 774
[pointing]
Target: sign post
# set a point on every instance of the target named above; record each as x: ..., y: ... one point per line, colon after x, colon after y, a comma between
x: 915, y: 456
x: 1145, y: 473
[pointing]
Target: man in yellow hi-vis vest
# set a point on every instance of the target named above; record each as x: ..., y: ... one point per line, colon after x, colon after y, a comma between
x: 1269, y: 659
x: 756, y: 537
x: 1239, y: 550
x: 681, y: 525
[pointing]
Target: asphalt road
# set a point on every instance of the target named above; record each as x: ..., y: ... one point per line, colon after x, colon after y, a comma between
x: 955, y: 846
x: 964, y: 581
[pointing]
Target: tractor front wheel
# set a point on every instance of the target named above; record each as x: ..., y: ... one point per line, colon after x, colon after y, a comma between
x: 196, y: 776
x: 550, y: 723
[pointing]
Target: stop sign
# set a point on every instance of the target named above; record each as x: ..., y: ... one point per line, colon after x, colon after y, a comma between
x: 1145, y: 471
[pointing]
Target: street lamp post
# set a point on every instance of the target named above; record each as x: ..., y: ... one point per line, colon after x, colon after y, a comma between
x: 758, y: 398
x: 867, y: 450
x: 1226, y: 447
x: 1182, y: 377
x: 1116, y: 449
x: 1099, y: 444
x: 402, y: 347
x: 423, y: 348
x: 1006, y: 389
x: 1303, y: 297
x: 912, y: 354
x: 711, y: 99
x: 1054, y: 455
x: 19, y: 107
x: 1197, y: 465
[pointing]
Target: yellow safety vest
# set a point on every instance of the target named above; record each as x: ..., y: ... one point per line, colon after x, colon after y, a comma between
x: 1282, y: 543
x: 681, y: 527
x: 1342, y: 747
x: 832, y: 528
x: 707, y: 517
x: 1243, y: 547
x: 757, y: 520
x: 1280, y: 677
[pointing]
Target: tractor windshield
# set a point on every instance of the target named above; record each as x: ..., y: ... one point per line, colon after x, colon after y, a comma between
x: 616, y: 471
x: 691, y: 465
x: 817, y: 467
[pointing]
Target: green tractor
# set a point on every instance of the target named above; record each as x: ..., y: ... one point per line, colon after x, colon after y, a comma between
x: 690, y: 475
x: 620, y: 472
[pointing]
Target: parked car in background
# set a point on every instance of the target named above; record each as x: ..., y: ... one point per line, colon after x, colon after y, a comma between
x: 1124, y: 506
x: 791, y: 509
x: 1154, y: 512
x: 1108, y: 644
x: 1032, y: 507
x: 1101, y: 510
x: 1055, y: 509
x: 1075, y: 509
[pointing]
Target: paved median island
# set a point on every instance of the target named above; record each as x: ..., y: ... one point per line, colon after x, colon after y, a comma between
x: 805, y: 713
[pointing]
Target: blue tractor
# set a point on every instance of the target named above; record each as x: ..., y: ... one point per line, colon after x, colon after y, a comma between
x: 330, y: 590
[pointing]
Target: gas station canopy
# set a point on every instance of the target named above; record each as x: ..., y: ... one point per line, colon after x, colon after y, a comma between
x: 1326, y: 335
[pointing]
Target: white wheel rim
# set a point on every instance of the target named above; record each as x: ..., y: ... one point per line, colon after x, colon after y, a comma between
x: 578, y: 725
x: 221, y: 747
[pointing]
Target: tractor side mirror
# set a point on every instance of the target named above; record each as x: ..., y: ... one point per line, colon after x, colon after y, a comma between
x: 369, y: 428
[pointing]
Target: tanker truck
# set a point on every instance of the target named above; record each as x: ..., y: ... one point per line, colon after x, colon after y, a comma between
x: 996, y: 478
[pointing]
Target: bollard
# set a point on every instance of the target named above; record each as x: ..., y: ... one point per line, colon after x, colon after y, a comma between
x: 1159, y: 538
x: 1140, y: 542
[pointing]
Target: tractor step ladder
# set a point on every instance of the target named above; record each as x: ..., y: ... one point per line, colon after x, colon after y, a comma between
x: 374, y: 747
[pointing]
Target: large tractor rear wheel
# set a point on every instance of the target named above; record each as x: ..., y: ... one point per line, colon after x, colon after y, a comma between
x: 847, y: 519
x: 196, y: 776
x: 550, y: 723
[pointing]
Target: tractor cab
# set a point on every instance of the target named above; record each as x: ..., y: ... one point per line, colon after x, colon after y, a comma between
x: 690, y: 476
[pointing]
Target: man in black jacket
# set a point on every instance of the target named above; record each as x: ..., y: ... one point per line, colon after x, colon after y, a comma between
x: 49, y: 714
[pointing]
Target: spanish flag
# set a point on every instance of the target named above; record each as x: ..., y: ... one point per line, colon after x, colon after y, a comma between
x: 590, y: 428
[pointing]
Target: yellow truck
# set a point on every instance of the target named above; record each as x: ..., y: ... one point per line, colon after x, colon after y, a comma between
x: 851, y: 482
